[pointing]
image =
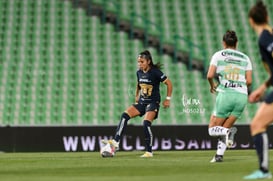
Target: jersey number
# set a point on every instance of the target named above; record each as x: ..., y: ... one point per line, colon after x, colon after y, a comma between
x: 232, y: 73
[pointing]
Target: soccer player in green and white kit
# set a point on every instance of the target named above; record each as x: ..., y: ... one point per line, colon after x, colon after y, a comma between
x: 234, y: 71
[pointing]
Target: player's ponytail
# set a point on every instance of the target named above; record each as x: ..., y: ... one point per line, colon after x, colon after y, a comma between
x: 230, y: 38
x: 147, y: 55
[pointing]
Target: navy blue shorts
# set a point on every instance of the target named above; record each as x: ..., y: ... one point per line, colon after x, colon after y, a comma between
x: 269, y: 98
x: 143, y: 108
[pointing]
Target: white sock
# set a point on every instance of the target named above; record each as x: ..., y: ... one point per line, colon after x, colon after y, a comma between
x: 221, y: 148
x: 218, y: 131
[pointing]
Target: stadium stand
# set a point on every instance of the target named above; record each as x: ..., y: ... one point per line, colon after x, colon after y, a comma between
x: 60, y: 66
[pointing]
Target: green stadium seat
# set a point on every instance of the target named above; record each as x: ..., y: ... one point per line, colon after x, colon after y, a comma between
x: 62, y: 67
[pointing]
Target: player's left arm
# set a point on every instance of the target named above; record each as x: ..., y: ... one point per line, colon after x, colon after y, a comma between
x: 269, y: 81
x: 267, y: 55
x: 166, y: 102
x: 248, y: 76
x: 256, y: 95
x: 249, y: 81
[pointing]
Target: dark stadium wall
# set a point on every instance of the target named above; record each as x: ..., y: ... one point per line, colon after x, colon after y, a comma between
x: 86, y: 139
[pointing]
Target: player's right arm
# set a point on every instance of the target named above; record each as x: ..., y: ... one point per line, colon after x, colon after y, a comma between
x: 137, y: 93
x: 211, y: 73
x: 210, y: 77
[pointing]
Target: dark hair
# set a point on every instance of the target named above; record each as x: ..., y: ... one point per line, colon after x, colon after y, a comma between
x: 230, y: 38
x: 147, y: 55
x: 258, y: 13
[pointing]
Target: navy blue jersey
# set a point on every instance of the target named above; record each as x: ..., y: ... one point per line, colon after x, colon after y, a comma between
x: 149, y: 85
x: 266, y: 50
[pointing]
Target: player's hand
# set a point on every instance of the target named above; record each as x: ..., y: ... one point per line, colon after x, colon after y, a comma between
x: 256, y: 95
x: 213, y: 89
x: 166, y: 103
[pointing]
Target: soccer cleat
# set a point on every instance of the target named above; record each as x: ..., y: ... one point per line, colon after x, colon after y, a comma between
x: 230, y: 136
x: 147, y: 155
x: 217, y: 158
x: 112, y: 143
x: 258, y: 175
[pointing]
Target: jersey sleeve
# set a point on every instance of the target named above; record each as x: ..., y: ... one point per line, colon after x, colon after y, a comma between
x: 266, y: 50
x: 249, y: 64
x: 266, y: 47
x: 262, y: 52
x: 160, y: 75
x: 137, y: 76
x: 213, y: 60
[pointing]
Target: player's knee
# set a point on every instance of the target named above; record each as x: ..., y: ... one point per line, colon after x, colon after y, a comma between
x: 256, y: 127
x: 210, y: 131
x: 147, y: 123
x: 125, y: 115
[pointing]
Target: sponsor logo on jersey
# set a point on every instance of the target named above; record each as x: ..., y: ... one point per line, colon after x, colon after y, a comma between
x: 270, y: 47
x: 233, y: 61
x: 227, y: 53
x: 144, y: 80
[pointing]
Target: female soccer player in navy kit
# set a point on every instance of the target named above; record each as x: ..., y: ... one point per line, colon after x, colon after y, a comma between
x: 147, y: 100
x: 258, y: 19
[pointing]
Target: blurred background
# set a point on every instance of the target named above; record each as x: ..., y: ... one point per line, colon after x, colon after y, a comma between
x: 74, y: 62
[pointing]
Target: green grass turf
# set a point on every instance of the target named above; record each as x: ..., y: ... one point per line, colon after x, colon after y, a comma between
x: 166, y: 165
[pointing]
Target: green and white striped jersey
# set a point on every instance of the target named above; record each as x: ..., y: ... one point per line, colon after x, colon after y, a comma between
x: 231, y: 66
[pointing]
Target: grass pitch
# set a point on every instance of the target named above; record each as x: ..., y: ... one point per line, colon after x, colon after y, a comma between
x: 166, y: 165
